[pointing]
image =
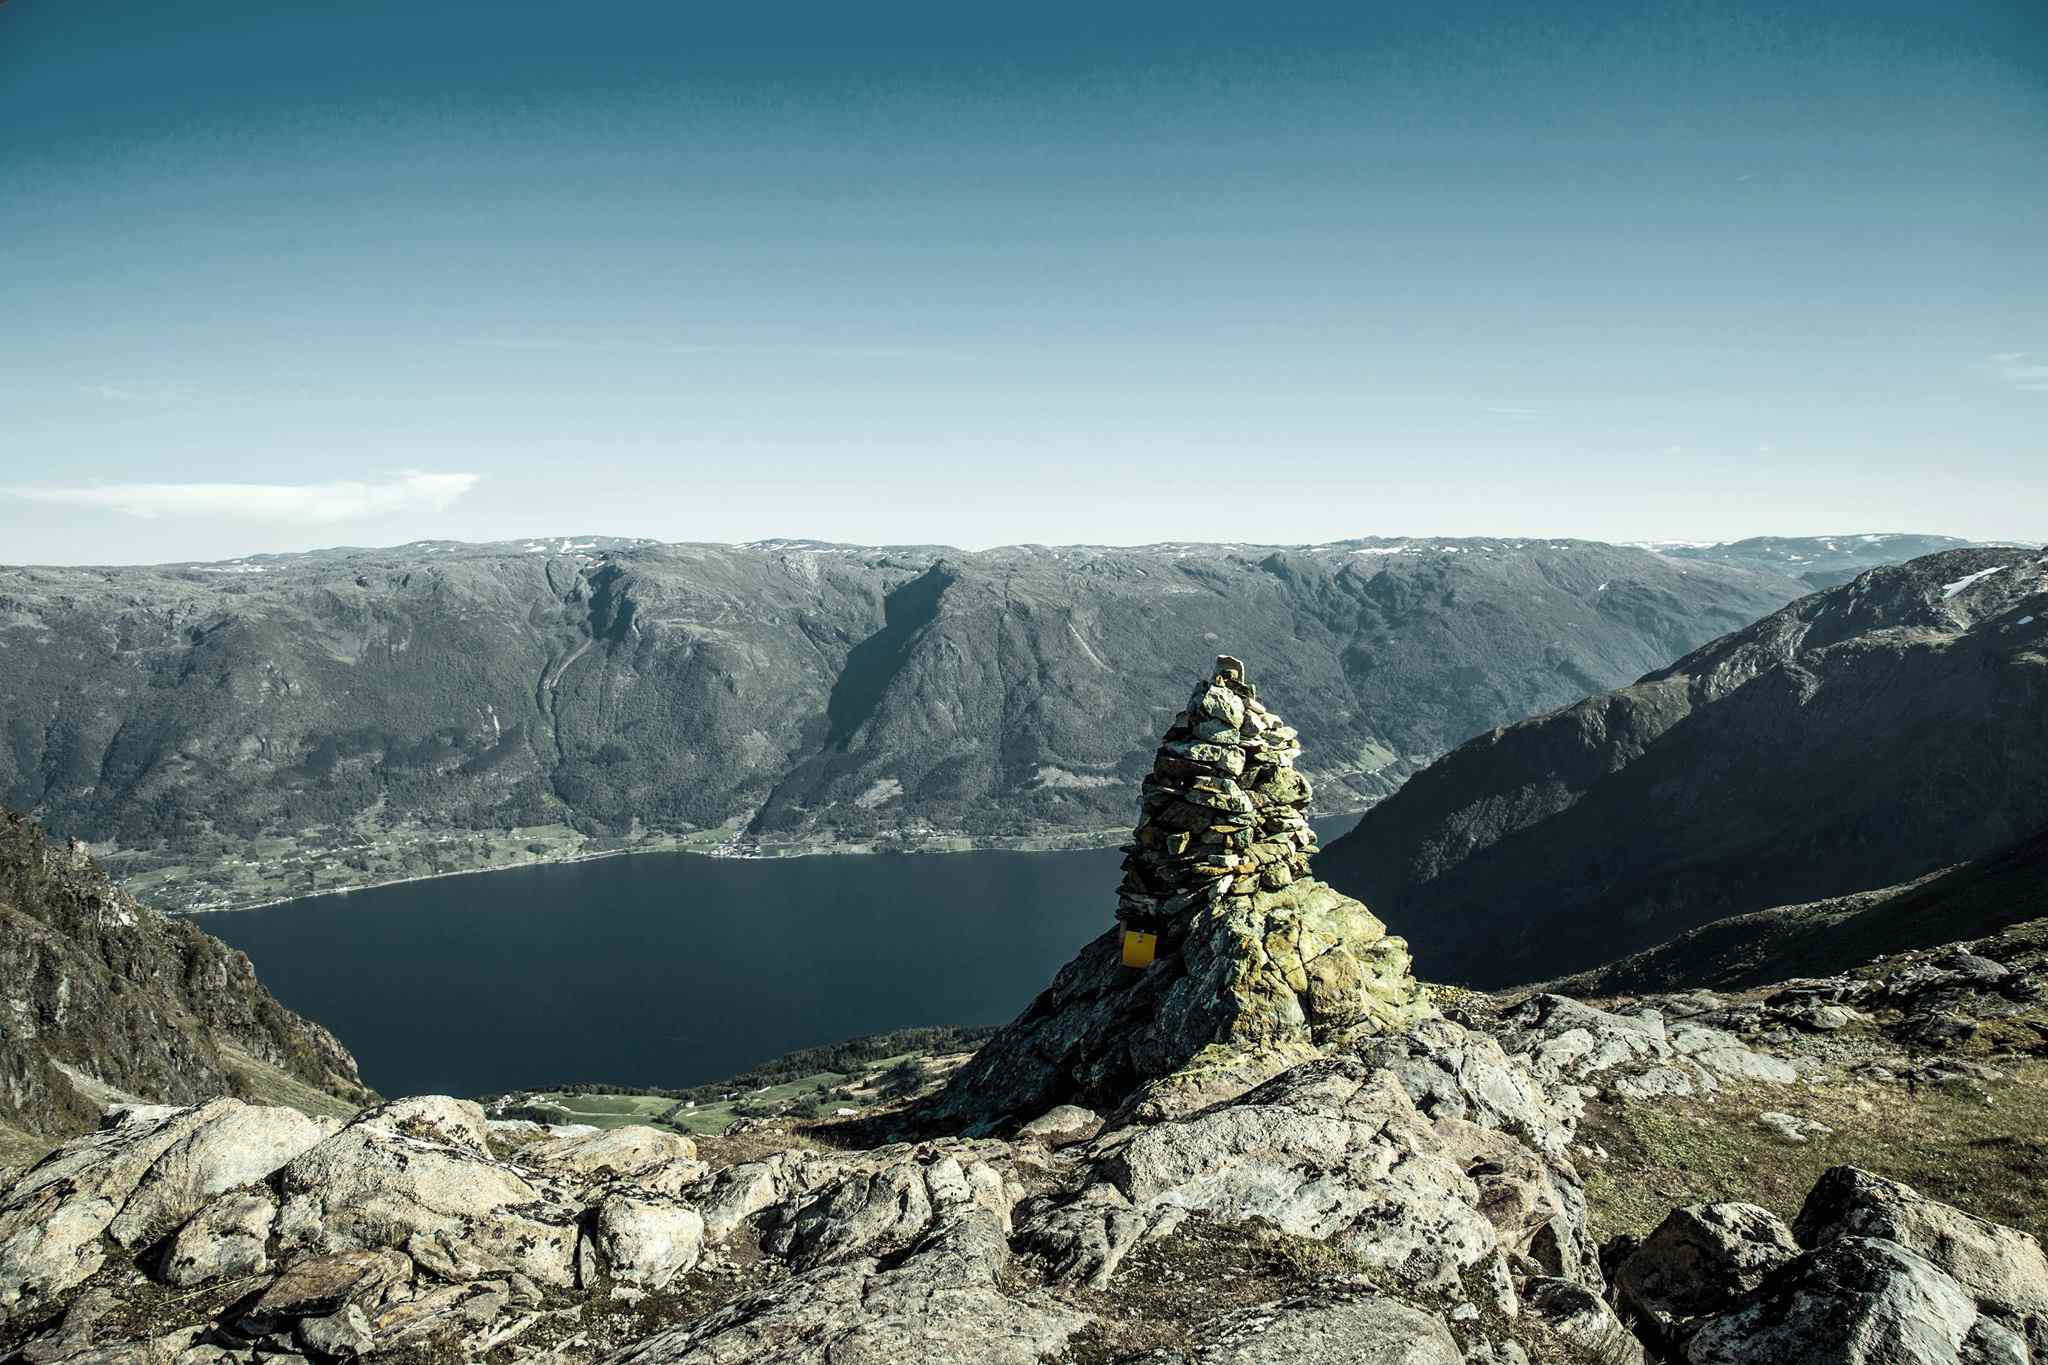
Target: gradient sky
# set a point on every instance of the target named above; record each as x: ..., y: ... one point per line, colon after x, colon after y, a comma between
x: 278, y: 274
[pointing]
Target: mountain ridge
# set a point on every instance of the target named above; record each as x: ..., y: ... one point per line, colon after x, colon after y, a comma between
x: 243, y: 732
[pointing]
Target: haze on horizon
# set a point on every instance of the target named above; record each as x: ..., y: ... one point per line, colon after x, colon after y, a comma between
x: 284, y: 275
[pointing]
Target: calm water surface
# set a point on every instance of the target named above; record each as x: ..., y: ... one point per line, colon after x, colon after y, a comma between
x: 670, y: 968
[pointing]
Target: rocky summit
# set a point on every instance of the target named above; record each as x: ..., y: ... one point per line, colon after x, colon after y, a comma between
x: 1224, y: 939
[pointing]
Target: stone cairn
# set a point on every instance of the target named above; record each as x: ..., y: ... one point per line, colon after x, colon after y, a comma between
x: 1222, y: 810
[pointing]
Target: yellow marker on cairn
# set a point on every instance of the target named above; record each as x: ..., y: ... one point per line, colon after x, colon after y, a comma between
x: 1139, y: 948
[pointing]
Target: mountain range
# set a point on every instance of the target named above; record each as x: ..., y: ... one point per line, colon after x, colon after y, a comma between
x: 235, y: 732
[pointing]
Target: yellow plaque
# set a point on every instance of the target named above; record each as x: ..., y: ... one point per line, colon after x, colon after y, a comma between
x: 1138, y: 948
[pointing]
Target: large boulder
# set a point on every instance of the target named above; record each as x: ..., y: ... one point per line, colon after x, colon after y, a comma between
x: 1701, y: 1259
x: 652, y: 1158
x: 418, y: 1178
x: 644, y: 1240
x: 2000, y: 1267
x: 1635, y: 1053
x: 229, y: 1237
x: 131, y: 1183
x: 1893, y: 1278
x: 1372, y: 1330
x: 1856, y: 1301
x: 1335, y: 1151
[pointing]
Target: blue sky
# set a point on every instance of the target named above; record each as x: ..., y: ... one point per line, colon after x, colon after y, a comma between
x: 280, y: 274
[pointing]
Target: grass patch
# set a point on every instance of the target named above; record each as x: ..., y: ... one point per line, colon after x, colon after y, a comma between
x: 1978, y: 1145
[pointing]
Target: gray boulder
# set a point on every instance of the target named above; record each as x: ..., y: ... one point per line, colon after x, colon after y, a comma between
x: 646, y: 1240
x: 229, y: 1237
x: 1063, y: 1125
x: 319, y: 1286
x: 2000, y: 1267
x: 1634, y: 1053
x: 651, y: 1158
x: 1855, y: 1301
x: 1701, y: 1259
x: 418, y: 1178
x: 1453, y: 1072
x: 129, y: 1184
x: 1582, y: 1318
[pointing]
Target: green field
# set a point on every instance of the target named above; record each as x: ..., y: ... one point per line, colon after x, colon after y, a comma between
x: 623, y: 1110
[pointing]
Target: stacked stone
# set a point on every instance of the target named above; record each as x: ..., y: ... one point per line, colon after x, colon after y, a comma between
x: 1223, y: 810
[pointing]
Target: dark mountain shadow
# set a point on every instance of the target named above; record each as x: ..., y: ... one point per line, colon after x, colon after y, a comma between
x: 875, y: 660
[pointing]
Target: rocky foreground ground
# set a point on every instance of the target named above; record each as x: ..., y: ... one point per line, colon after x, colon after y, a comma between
x: 1690, y: 1177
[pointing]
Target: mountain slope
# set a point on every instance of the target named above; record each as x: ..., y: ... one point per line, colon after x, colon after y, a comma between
x: 1970, y: 900
x: 231, y: 733
x: 1860, y: 737
x: 102, y: 998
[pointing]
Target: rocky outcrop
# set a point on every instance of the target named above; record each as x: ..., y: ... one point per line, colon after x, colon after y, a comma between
x: 1702, y: 1259
x: 142, y: 1176
x: 102, y: 997
x: 1248, y: 953
x: 1407, y: 1196
x: 404, y: 1228
x: 1887, y: 1277
x: 1858, y: 738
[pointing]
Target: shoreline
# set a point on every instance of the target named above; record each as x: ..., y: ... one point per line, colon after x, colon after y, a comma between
x: 1076, y: 841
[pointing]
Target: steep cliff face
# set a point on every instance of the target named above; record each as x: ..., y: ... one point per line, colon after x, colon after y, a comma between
x: 1858, y: 738
x: 352, y: 702
x: 102, y: 998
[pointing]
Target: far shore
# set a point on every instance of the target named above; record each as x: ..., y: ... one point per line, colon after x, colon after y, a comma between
x: 1072, y: 841
x: 1077, y: 841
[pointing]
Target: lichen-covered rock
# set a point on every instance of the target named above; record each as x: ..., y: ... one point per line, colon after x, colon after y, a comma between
x: 651, y: 1158
x: 228, y: 1237
x: 337, y: 1336
x: 1253, y: 954
x: 1452, y: 1072
x: 940, y: 1302
x: 1063, y: 1125
x: 1635, y: 1053
x: 317, y: 1286
x: 1331, y: 1150
x: 646, y: 1240
x: 1581, y: 1317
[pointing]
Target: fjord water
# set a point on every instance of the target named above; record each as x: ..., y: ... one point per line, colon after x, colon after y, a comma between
x: 670, y: 969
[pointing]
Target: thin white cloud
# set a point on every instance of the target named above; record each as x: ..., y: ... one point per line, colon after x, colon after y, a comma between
x: 768, y: 351
x: 2020, y: 370
x: 139, y: 393
x: 306, y: 503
